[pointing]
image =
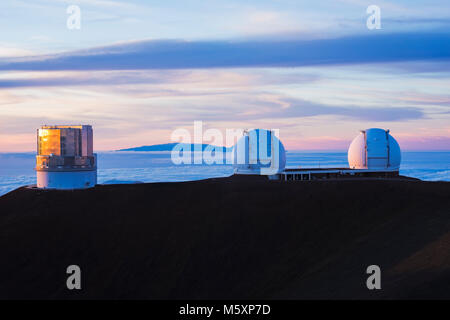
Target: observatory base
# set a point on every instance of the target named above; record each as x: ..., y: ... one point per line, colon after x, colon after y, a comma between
x: 331, y: 173
x: 67, y: 179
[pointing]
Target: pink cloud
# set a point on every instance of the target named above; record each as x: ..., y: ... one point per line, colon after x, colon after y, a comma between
x: 424, y: 143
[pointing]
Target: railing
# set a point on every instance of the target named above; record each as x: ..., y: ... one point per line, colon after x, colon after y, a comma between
x: 52, y: 162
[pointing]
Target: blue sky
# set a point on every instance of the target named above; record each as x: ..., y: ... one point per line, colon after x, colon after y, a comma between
x: 137, y: 70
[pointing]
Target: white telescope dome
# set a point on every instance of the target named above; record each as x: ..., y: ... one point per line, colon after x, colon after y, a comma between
x: 259, y: 151
x: 374, y: 149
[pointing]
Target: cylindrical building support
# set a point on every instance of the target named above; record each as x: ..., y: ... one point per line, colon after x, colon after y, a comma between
x: 66, y: 179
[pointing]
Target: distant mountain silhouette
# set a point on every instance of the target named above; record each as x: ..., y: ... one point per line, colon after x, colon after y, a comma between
x: 170, y: 146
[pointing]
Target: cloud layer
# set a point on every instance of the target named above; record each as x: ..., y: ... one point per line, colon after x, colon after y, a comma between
x: 172, y: 54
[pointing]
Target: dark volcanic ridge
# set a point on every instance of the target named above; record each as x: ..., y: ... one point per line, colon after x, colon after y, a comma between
x: 237, y: 237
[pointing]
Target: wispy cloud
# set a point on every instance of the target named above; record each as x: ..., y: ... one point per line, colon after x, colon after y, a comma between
x: 230, y: 80
x: 299, y: 108
x: 279, y: 107
x: 9, y: 51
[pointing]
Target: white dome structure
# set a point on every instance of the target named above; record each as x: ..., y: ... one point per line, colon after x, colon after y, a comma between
x: 374, y: 149
x: 260, y: 152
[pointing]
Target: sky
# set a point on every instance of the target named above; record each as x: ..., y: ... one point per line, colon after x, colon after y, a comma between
x: 138, y: 70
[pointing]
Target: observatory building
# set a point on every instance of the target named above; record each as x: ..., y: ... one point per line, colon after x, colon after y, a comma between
x: 259, y: 152
x: 374, y: 149
x: 65, y: 158
x: 373, y: 153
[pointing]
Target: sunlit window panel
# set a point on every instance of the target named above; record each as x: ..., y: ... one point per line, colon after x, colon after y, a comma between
x: 49, y: 142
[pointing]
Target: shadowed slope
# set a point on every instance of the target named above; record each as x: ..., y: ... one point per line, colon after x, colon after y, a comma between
x: 237, y: 237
